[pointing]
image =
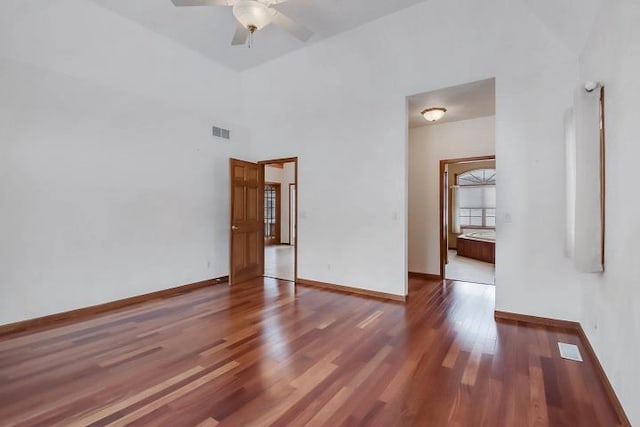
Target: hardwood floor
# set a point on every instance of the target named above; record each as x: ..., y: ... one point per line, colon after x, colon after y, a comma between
x: 261, y: 354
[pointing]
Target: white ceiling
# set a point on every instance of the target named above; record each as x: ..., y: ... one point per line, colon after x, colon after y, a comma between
x: 463, y: 102
x: 209, y: 29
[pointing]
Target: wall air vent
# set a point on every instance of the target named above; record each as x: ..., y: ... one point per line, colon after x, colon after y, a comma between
x: 221, y: 133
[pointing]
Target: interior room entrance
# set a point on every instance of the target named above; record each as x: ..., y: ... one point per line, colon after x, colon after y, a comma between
x: 279, y: 218
x: 468, y: 215
x: 451, y: 183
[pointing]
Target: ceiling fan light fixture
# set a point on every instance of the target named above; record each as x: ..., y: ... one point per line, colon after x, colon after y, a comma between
x: 251, y: 13
x: 433, y: 114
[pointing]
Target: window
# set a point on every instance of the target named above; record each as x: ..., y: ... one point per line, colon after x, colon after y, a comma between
x: 477, y: 177
x: 475, y: 199
x: 480, y: 217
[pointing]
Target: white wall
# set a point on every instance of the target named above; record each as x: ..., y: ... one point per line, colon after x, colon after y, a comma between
x: 427, y: 146
x: 341, y: 102
x: 111, y: 184
x: 289, y: 178
x: 610, y: 311
x: 285, y: 176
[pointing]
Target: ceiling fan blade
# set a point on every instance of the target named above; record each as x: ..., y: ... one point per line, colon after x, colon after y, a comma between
x: 200, y: 2
x: 240, y: 36
x: 298, y: 31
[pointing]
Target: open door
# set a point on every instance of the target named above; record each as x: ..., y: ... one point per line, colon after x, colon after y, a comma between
x: 246, y: 250
x: 444, y: 219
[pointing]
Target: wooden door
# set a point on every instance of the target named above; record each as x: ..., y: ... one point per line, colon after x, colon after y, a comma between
x: 444, y: 223
x: 272, y: 217
x: 247, y: 203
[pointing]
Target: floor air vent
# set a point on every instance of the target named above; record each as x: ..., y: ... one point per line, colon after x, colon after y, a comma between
x: 569, y: 351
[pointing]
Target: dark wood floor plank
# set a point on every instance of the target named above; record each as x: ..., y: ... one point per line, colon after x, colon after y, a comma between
x: 268, y: 353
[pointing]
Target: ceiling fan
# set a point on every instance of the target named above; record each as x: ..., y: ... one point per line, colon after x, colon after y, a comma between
x: 252, y: 16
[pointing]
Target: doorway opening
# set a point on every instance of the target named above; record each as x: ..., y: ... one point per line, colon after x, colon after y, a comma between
x: 451, y: 193
x: 468, y: 219
x: 280, y: 214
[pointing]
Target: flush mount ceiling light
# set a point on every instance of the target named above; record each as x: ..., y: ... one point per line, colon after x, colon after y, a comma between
x: 433, y: 114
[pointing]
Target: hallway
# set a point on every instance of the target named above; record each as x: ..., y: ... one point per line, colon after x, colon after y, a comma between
x: 279, y: 262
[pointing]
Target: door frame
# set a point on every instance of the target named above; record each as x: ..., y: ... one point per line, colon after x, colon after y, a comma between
x: 293, y: 189
x: 443, y: 223
x: 283, y: 160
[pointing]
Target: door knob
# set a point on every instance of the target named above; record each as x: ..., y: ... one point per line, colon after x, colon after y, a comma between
x: 234, y: 227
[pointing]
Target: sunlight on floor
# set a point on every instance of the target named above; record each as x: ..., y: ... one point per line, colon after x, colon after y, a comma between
x: 469, y: 270
x: 278, y: 261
